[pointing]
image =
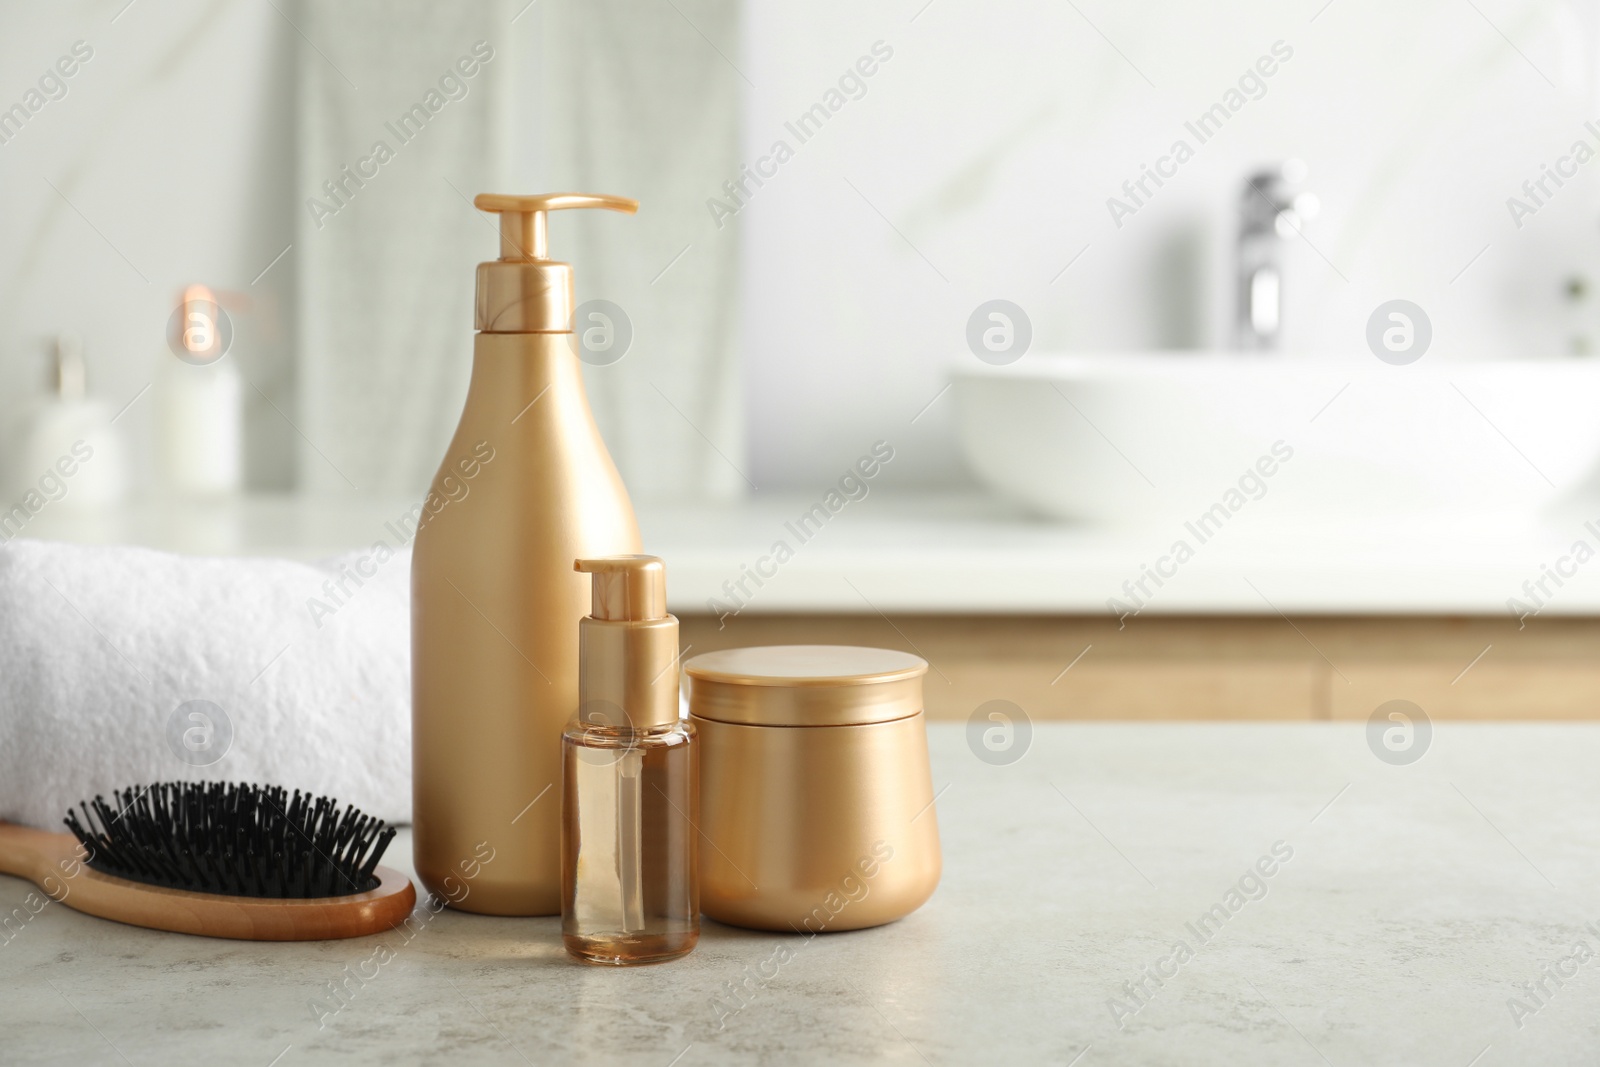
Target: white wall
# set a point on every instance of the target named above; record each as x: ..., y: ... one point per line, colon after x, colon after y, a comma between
x: 174, y: 148
x: 993, y: 137
x: 990, y: 141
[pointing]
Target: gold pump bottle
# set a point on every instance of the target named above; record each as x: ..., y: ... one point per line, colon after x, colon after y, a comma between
x: 630, y: 791
x: 526, y: 487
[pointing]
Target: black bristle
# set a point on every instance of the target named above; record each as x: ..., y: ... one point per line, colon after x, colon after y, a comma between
x: 236, y: 840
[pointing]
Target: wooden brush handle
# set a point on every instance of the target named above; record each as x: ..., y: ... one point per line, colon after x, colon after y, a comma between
x: 54, y: 863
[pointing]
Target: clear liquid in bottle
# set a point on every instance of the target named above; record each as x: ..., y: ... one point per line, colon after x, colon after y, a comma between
x: 629, y: 810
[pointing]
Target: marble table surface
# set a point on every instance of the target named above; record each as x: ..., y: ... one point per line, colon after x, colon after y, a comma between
x: 1436, y: 912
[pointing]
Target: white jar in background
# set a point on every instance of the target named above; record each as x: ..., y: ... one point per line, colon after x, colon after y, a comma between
x: 200, y: 428
x: 71, y: 455
x: 200, y: 406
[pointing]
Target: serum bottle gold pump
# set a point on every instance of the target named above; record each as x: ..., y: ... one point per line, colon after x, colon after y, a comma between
x: 526, y: 487
x: 630, y: 791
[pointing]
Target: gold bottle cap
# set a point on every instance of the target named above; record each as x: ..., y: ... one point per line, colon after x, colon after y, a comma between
x: 805, y: 685
x: 627, y: 588
x: 525, y: 291
x: 627, y: 645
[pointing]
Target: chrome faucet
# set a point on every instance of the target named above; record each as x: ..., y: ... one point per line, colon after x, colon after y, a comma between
x: 1269, y: 211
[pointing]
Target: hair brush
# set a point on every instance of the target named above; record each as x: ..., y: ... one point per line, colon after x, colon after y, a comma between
x: 219, y: 860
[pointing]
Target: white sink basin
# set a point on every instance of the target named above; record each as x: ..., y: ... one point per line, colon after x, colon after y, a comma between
x: 1168, y: 436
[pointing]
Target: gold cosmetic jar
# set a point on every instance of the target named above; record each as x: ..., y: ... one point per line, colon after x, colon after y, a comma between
x: 816, y: 801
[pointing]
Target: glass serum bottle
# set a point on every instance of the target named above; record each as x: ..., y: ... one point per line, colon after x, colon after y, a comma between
x: 630, y: 793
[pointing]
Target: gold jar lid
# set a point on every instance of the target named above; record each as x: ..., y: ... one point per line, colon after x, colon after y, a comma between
x: 805, y: 685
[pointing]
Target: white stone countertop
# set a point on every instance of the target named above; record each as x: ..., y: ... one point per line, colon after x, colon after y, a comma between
x: 1414, y: 903
x: 968, y: 554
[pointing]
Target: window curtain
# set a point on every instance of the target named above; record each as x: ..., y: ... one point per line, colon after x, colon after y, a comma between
x: 406, y: 112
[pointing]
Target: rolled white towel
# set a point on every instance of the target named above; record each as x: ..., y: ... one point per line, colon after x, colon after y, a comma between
x: 123, y: 666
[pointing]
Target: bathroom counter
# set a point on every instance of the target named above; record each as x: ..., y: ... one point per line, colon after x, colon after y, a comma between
x: 1404, y: 906
x: 965, y: 554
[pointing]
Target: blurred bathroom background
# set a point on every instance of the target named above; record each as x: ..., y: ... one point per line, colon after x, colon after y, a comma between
x: 831, y: 194
x: 975, y: 164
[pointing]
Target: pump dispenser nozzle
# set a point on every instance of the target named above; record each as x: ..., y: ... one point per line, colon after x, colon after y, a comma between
x: 628, y: 645
x: 524, y: 291
x: 68, y: 375
x: 627, y: 588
